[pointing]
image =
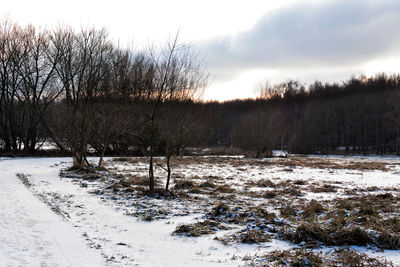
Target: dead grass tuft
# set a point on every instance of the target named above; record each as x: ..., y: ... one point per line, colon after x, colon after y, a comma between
x: 265, y: 183
x: 184, y: 184
x: 207, y: 184
x: 199, y: 228
x: 295, y: 257
x: 343, y: 256
x: 288, y: 211
x: 253, y: 236
x: 313, y: 208
x: 224, y: 189
x: 325, y: 188
x: 220, y: 209
x: 246, y: 236
x: 312, y: 234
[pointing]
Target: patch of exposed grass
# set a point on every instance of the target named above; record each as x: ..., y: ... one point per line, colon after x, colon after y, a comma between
x: 199, y: 228
x: 295, y: 257
x: 303, y: 257
x: 312, y: 208
x: 24, y: 178
x: 325, y: 188
x: 224, y: 188
x: 221, y: 209
x: 52, y: 200
x: 299, y: 182
x: 207, y: 184
x: 288, y: 211
x: 246, y: 236
x: 261, y: 183
x: 270, y: 194
x: 314, y: 234
x: 129, y: 160
x: 253, y: 236
x: 184, y: 184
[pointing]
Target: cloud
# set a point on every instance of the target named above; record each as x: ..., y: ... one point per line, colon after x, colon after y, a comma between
x: 310, y: 35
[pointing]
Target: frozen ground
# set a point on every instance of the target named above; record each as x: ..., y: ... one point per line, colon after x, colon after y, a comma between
x: 93, y: 221
x: 30, y: 233
x: 43, y: 237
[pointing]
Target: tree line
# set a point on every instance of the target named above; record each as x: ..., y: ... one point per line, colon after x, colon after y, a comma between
x: 358, y: 116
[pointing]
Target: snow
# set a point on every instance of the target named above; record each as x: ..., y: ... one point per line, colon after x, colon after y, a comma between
x: 62, y: 243
x: 30, y: 233
x: 90, y: 230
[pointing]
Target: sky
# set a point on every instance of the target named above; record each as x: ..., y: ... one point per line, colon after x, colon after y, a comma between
x: 244, y: 43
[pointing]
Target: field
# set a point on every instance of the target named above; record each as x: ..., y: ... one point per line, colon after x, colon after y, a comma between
x: 222, y: 210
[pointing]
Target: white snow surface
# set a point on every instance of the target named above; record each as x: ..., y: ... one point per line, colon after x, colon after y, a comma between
x: 30, y: 233
x: 33, y: 235
x: 96, y: 232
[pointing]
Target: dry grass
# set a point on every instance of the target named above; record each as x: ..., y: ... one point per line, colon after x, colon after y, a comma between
x: 289, y: 211
x: 313, y: 208
x: 184, y: 184
x: 207, y: 184
x: 301, y: 257
x: 224, y: 188
x: 24, y: 178
x: 298, y: 257
x: 130, y: 160
x: 361, y: 216
x: 324, y: 188
x: 289, y: 163
x: 246, y: 236
x: 261, y: 183
x: 365, y: 220
x: 199, y: 228
x: 313, y: 235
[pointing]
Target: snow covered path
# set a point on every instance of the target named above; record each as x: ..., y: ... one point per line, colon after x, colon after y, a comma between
x: 31, y: 234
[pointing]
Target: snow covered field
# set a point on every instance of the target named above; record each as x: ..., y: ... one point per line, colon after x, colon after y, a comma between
x: 103, y: 218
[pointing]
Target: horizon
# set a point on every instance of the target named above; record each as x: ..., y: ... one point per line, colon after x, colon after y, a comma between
x: 328, y: 41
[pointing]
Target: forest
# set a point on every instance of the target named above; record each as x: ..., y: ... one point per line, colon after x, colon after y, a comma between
x: 92, y: 97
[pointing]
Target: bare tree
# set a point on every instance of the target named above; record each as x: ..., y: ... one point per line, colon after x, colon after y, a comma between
x: 109, y: 125
x: 180, y: 126
x: 81, y: 69
x: 12, y: 53
x: 40, y: 86
x: 178, y: 75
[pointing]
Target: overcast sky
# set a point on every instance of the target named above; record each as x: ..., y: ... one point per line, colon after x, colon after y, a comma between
x: 245, y: 42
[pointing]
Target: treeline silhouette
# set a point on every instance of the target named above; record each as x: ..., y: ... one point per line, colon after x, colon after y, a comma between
x: 358, y: 116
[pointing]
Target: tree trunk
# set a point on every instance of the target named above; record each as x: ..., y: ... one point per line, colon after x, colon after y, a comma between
x: 101, y: 160
x: 79, y: 160
x: 151, y: 174
x: 53, y: 136
x: 168, y: 172
x: 7, y: 145
x: 398, y: 146
x: 86, y: 160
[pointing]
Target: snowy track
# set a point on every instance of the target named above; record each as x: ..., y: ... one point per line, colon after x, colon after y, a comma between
x: 31, y: 234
